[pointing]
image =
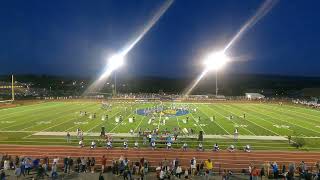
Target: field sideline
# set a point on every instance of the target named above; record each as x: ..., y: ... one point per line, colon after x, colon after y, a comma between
x: 18, y: 125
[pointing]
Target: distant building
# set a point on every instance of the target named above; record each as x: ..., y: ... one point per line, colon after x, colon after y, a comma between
x: 254, y: 96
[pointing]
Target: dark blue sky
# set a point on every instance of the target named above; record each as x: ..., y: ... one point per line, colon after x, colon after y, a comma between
x: 72, y: 37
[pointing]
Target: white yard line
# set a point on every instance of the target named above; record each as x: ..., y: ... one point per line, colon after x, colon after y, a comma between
x: 61, y: 112
x: 178, y: 122
x: 159, y: 121
x: 295, y: 114
x: 120, y: 123
x: 215, y: 122
x: 285, y: 121
x: 89, y: 130
x: 63, y: 121
x: 139, y: 123
x: 15, y: 113
x: 231, y: 120
x: 197, y: 123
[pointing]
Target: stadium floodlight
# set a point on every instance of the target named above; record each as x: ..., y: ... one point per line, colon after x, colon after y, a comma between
x: 114, y: 63
x: 216, y: 61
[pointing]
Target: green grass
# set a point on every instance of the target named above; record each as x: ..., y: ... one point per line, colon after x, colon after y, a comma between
x: 17, y: 125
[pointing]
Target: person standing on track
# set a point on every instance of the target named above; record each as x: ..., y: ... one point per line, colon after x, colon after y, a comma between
x: 103, y: 163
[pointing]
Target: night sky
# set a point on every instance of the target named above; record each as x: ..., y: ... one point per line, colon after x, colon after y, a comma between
x: 74, y: 37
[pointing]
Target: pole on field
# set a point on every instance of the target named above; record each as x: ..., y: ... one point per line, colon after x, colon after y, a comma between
x: 12, y: 87
x: 216, y: 84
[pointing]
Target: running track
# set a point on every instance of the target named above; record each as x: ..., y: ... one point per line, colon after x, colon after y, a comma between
x: 234, y: 161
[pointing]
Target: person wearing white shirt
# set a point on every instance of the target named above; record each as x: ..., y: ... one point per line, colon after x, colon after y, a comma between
x: 179, y: 171
x: 93, y: 145
x: 125, y: 145
x: 136, y: 145
x: 109, y: 145
x: 247, y: 148
x: 216, y: 147
x: 185, y: 146
x: 153, y: 145
x: 200, y: 147
x: 161, y: 176
x: 231, y: 148
x: 81, y: 143
x: 168, y: 145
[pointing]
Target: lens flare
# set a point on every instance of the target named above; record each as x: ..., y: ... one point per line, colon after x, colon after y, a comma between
x: 111, y: 67
x: 215, y: 64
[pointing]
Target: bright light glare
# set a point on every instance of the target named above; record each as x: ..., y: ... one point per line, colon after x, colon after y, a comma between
x: 115, y: 62
x: 216, y: 60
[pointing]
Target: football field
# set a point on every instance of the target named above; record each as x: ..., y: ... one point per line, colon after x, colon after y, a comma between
x: 48, y: 122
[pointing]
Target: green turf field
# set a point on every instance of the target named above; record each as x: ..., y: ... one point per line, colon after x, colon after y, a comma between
x: 18, y: 125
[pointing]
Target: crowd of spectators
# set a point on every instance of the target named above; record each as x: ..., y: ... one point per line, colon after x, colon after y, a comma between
x: 124, y: 168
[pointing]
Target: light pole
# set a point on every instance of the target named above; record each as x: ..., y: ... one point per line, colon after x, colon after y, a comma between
x: 216, y: 61
x: 115, y: 82
x: 216, y: 83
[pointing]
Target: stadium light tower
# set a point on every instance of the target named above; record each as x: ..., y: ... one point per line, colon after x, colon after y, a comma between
x: 114, y: 63
x: 216, y: 61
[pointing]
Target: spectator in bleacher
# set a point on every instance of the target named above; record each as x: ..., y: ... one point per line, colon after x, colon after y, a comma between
x: 209, y: 166
x: 54, y: 171
x: 186, y: 173
x: 83, y: 164
x: 146, y: 166
x: 88, y: 164
x: 115, y: 167
x: 78, y: 165
x: 70, y: 165
x: 17, y: 172
x: 165, y: 164
x: 27, y: 165
x: 303, y: 169
x: 193, y: 166
x: 101, y: 176
x: 185, y: 146
x: 175, y: 164
x: 291, y: 170
x: 178, y: 171
x: 231, y: 148
x: 216, y: 147
x: 103, y: 163
x: 92, y: 164
x: 201, y: 170
x: 255, y: 173
x: 162, y: 174
x: 262, y: 172
x: 45, y: 165
x: 2, y: 175
x: 275, y: 170
x: 317, y: 165
x: 65, y: 164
